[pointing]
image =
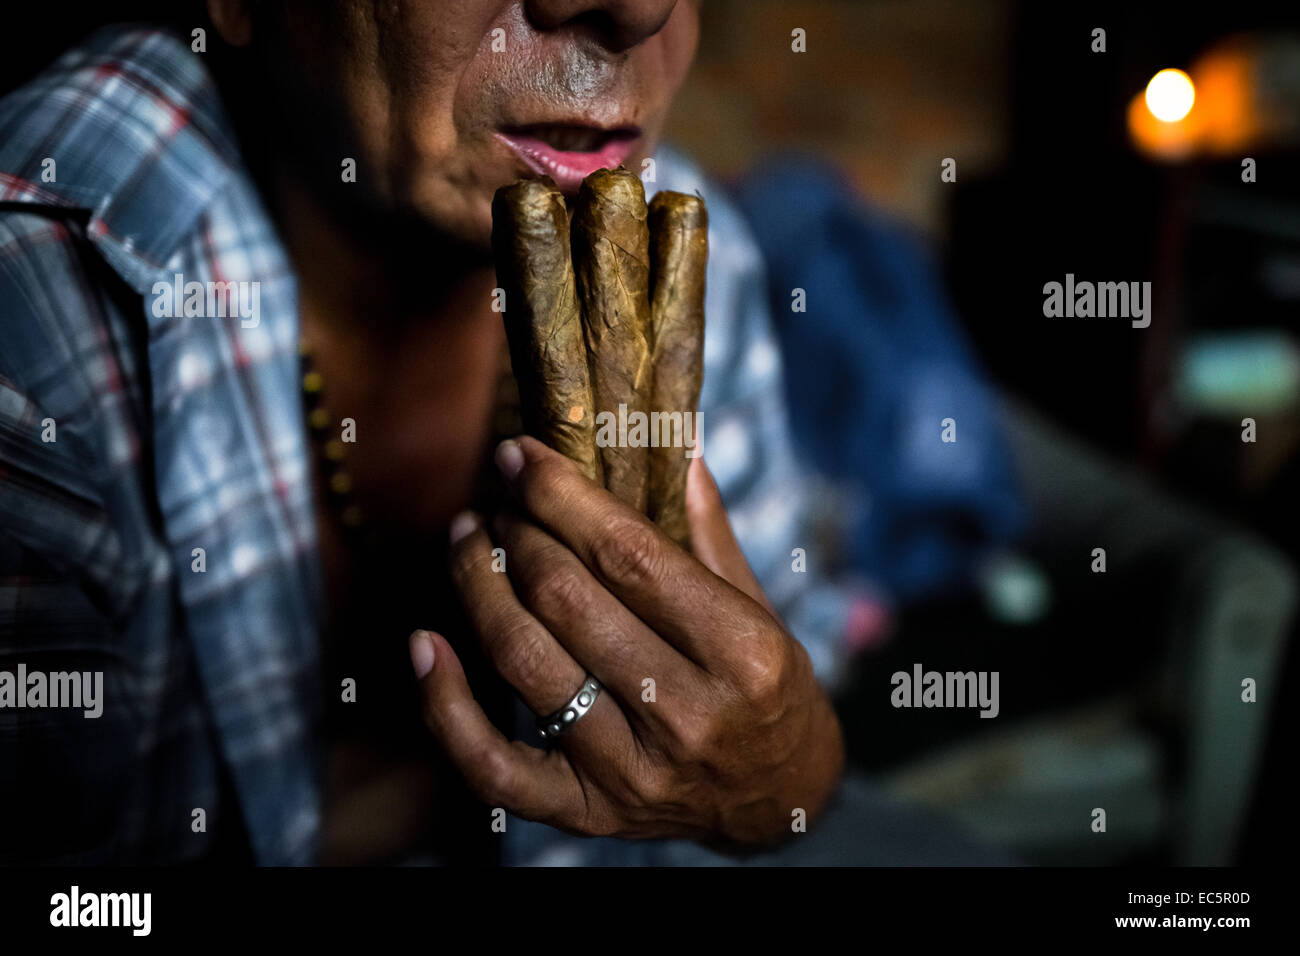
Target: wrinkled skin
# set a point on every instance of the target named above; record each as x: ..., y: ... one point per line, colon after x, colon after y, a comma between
x: 414, y: 92
x: 740, y: 734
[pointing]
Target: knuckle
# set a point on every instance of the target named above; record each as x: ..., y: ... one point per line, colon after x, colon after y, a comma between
x: 655, y: 790
x: 762, y: 674
x: 763, y: 679
x: 519, y: 651
x: 429, y: 713
x: 467, y: 561
x: 631, y: 554
x: 694, y: 736
x: 494, y: 776
x: 559, y: 594
x: 545, y: 477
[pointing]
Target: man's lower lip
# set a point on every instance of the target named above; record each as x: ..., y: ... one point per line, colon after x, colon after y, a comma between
x: 567, y: 169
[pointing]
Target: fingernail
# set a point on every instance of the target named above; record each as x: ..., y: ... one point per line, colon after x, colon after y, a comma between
x: 462, y: 524
x: 421, y: 653
x: 510, y: 458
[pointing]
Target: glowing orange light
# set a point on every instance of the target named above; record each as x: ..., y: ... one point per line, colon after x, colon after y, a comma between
x: 1223, y: 106
x: 1170, y: 95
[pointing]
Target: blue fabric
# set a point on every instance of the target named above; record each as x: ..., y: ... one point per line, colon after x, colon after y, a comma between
x: 874, y: 366
x: 174, y: 434
x: 177, y: 432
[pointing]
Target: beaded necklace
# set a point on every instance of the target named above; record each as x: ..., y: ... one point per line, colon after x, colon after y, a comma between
x: 331, y: 451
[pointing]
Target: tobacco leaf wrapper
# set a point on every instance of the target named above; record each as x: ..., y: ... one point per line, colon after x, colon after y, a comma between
x: 530, y: 240
x: 611, y: 263
x: 679, y: 230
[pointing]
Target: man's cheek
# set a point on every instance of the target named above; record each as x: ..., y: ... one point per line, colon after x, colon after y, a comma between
x: 678, y: 41
x: 456, y: 206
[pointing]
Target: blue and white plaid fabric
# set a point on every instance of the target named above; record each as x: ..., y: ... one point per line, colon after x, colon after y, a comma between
x: 118, y: 169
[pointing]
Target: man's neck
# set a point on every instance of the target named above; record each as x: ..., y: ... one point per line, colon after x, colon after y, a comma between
x: 362, y: 269
x: 406, y: 341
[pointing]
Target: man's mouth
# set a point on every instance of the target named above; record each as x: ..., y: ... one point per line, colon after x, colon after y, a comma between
x: 570, y: 153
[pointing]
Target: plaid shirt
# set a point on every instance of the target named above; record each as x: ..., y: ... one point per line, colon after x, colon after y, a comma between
x: 119, y: 169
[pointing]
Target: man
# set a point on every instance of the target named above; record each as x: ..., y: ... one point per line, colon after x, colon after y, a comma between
x: 166, y: 516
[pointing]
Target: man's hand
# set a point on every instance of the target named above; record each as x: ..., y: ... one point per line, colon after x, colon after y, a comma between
x: 737, y: 733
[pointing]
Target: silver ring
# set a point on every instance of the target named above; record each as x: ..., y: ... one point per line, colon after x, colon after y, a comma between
x: 562, y: 720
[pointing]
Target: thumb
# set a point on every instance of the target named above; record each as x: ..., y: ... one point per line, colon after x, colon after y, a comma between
x: 712, y: 540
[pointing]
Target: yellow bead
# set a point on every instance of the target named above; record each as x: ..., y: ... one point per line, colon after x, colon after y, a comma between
x: 319, y: 418
x: 312, y: 382
x: 341, y: 483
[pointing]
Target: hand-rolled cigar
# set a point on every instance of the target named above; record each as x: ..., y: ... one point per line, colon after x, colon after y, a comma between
x: 679, y: 230
x: 611, y: 262
x: 530, y: 240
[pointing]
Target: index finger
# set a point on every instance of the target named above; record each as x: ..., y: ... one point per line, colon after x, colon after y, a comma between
x: 530, y: 241
x: 701, y: 615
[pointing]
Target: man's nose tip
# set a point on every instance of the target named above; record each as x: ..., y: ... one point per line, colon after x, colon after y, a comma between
x: 620, y: 24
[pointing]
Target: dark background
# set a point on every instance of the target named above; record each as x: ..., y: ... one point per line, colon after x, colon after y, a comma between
x: 1048, y: 183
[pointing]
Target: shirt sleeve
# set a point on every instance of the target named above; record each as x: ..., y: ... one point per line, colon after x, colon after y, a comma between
x: 68, y: 409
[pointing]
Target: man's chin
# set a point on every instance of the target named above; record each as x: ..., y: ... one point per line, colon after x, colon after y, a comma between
x: 458, y: 218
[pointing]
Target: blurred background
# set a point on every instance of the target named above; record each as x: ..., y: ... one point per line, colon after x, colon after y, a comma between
x: 1120, y: 690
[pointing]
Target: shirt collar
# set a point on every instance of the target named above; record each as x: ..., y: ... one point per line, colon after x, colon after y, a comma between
x: 129, y: 129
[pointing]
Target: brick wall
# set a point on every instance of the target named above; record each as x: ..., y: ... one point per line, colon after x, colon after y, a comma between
x: 887, y: 88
